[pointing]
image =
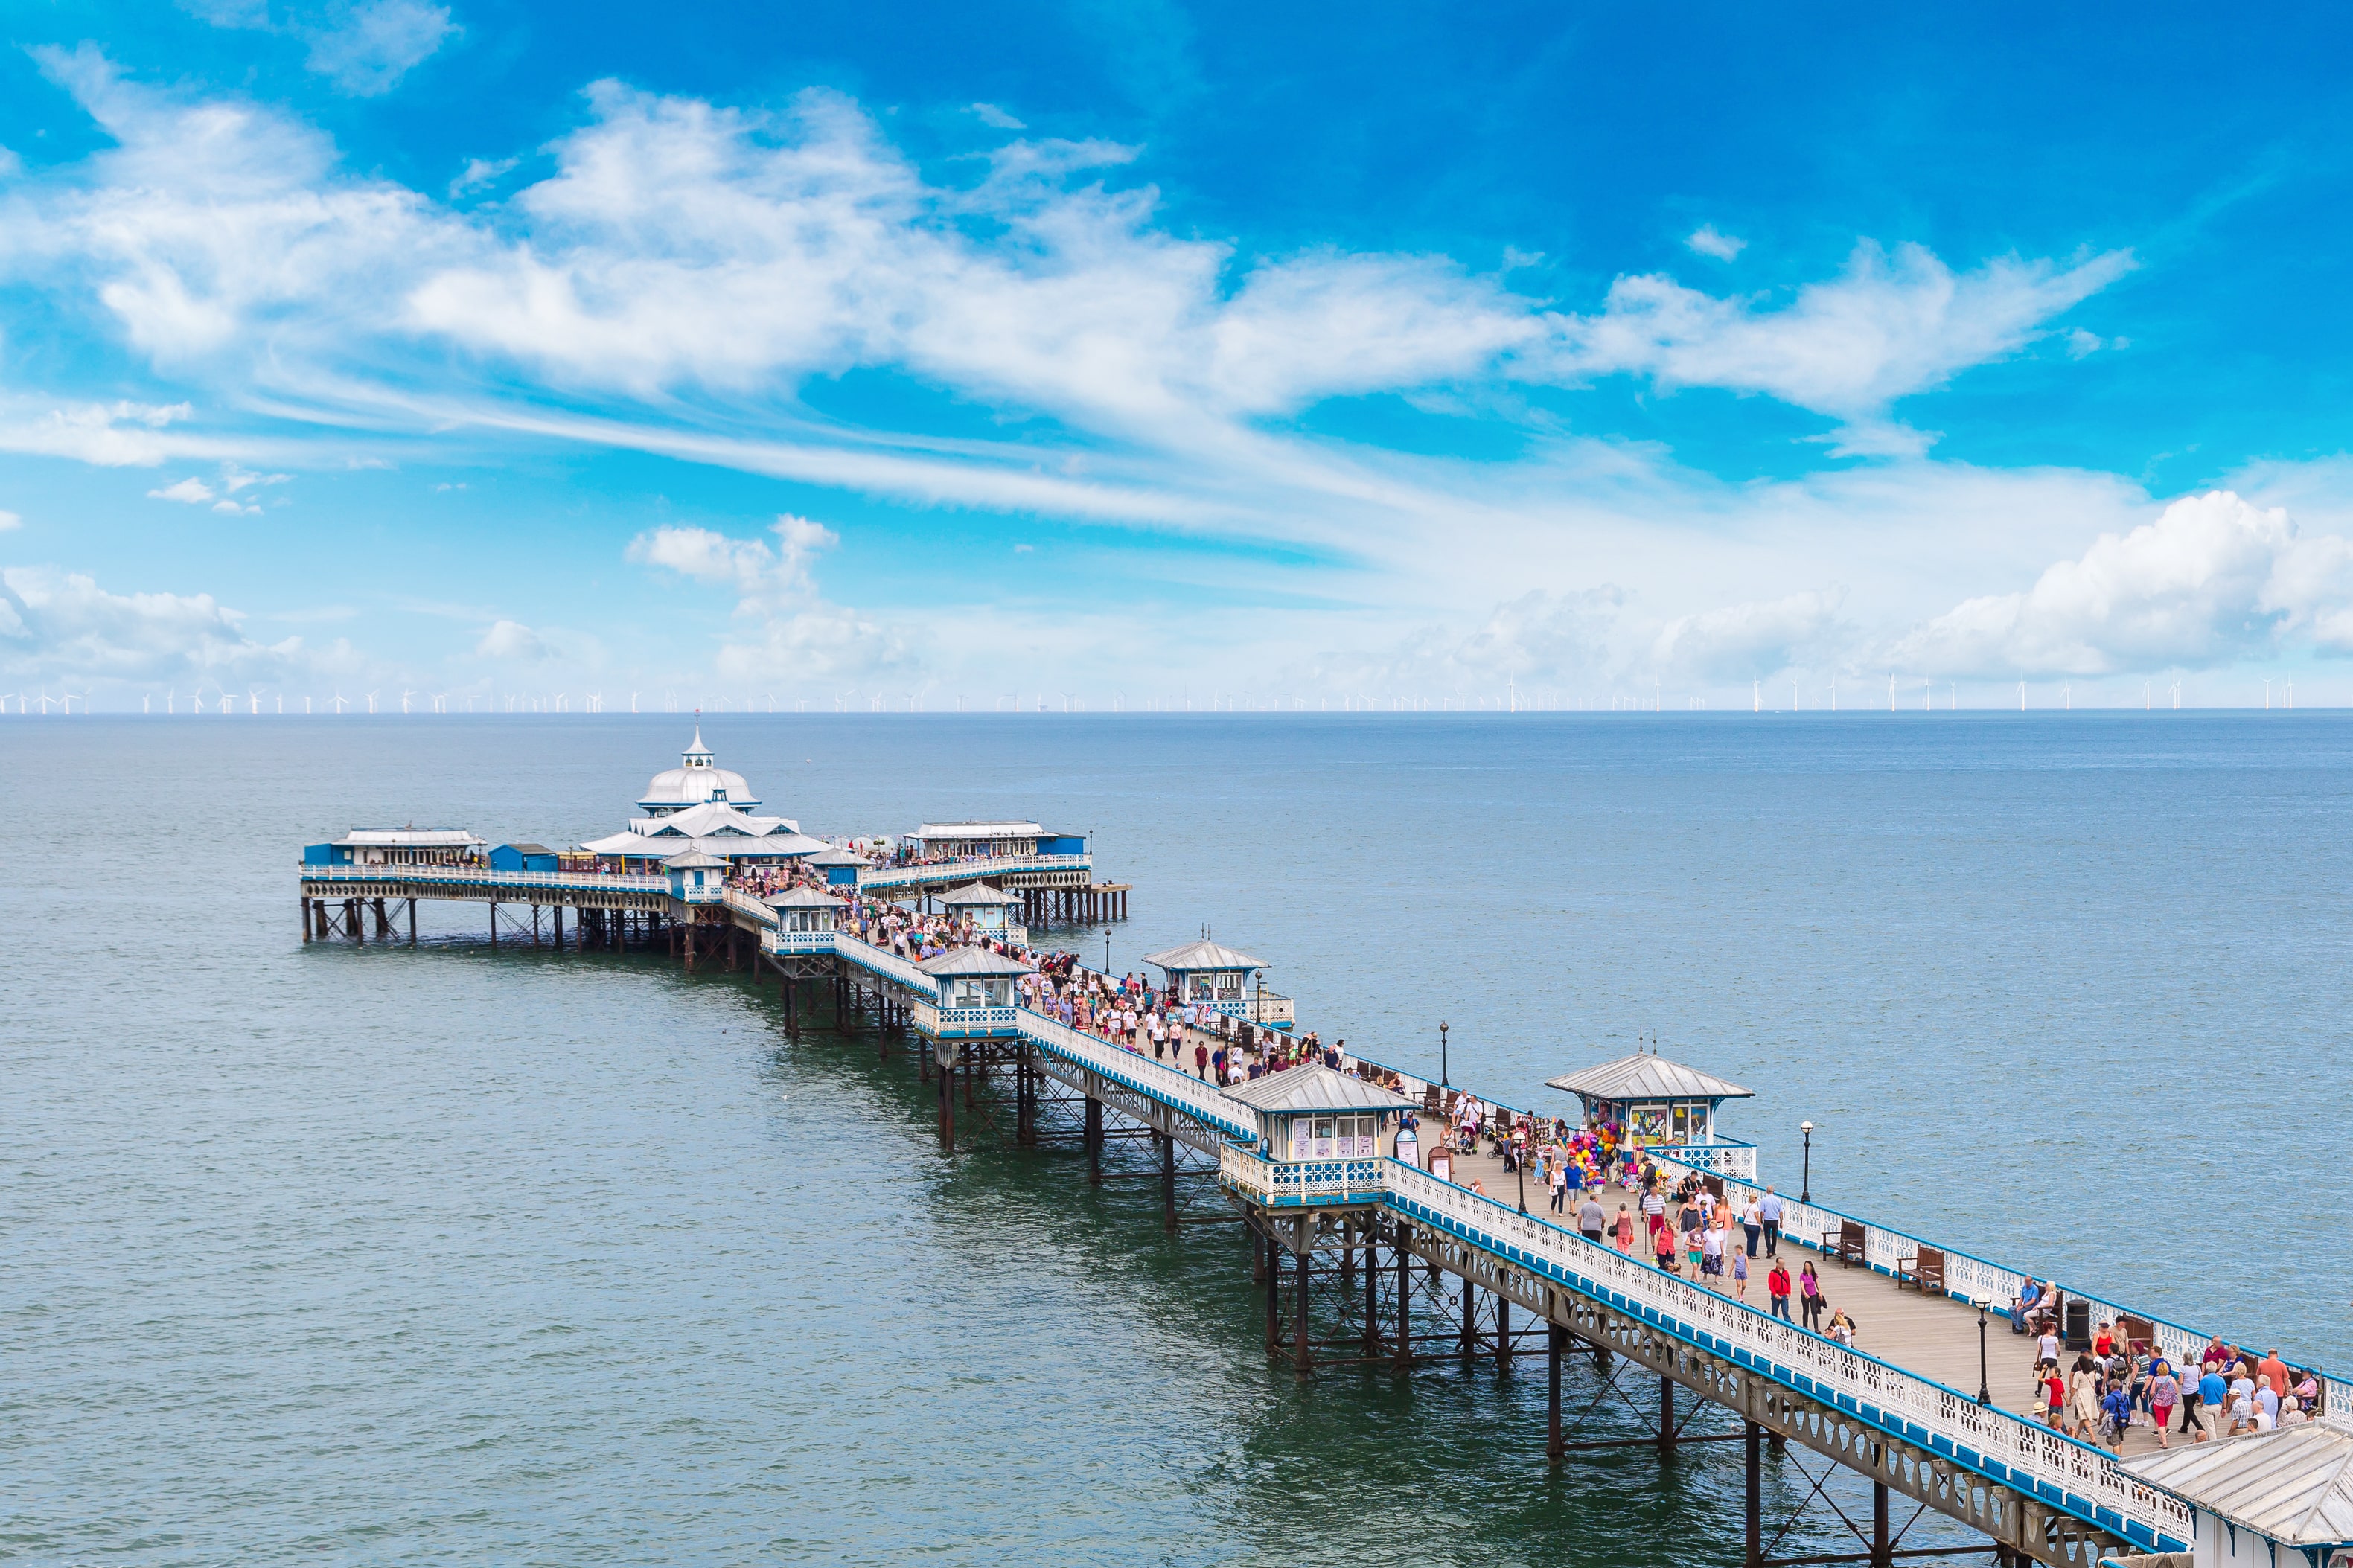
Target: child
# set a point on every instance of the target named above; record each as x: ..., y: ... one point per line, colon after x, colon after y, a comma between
x: 2119, y: 1409
x: 1740, y: 1274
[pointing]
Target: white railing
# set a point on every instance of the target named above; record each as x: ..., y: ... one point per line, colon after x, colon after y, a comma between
x: 1735, y: 1159
x: 1157, y: 1080
x: 2057, y: 1470
x: 1969, y: 1277
x: 888, y: 965
x: 796, y: 941
x: 971, y: 1020
x: 750, y: 908
x: 976, y: 870
x: 474, y: 877
x: 1277, y: 1183
x: 1259, y: 1007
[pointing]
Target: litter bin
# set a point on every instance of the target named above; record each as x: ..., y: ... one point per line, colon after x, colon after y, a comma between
x: 2079, y: 1324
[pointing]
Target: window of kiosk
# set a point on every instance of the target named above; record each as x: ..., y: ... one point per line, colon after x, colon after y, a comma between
x: 1682, y: 1122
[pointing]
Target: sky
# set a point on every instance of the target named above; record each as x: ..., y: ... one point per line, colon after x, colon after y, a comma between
x: 1146, y: 355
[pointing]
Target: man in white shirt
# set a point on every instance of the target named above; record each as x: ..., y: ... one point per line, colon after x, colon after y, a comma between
x: 1768, y: 1214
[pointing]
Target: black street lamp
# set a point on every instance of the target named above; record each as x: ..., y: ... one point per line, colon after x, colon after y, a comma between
x: 1985, y: 1389
x: 1520, y: 1159
x: 1443, y: 1081
x: 1806, y: 1194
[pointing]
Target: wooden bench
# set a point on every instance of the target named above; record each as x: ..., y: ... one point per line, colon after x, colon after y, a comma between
x: 1851, y: 1250
x: 1925, y: 1269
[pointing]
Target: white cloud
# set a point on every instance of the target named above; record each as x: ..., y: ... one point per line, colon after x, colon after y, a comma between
x: 2082, y: 344
x: 371, y: 46
x: 511, y: 639
x: 479, y: 172
x: 9, y: 520
x: 2212, y: 579
x: 1708, y: 242
x: 105, y: 435
x: 1750, y: 641
x: 192, y: 491
x: 56, y: 625
x: 988, y: 114
x: 1888, y: 327
x: 800, y: 636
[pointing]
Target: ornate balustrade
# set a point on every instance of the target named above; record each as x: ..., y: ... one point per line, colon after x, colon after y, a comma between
x: 483, y: 877
x: 1725, y: 1159
x: 979, y: 870
x: 1199, y: 1101
x: 1286, y: 1183
x: 2049, y: 1465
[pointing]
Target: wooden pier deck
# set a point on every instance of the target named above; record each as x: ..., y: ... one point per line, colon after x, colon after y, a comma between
x: 1933, y: 1336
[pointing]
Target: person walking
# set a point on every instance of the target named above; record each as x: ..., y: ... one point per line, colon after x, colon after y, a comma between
x: 1777, y: 1286
x: 1752, y: 1221
x: 2084, y: 1398
x: 1590, y: 1221
x: 1769, y: 1210
x: 1201, y: 1062
x: 1559, y: 1177
x: 1809, y: 1300
x: 2213, y: 1394
x: 1662, y: 1243
x: 1625, y: 1230
x: 1740, y: 1275
x: 2164, y: 1394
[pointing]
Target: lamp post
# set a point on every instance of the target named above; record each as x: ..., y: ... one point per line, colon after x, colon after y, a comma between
x: 1442, y: 1081
x: 1806, y: 1191
x: 1985, y: 1389
x: 1520, y: 1162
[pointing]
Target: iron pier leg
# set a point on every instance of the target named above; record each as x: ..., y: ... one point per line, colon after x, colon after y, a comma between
x: 1883, y: 1548
x: 1470, y: 1319
x: 947, y: 1105
x: 306, y: 917
x: 1094, y: 1140
x: 1752, y: 1452
x: 1274, y: 1294
x: 494, y: 925
x: 1168, y: 1183
x: 1404, y: 1298
x: 1372, y: 1295
x: 1301, y: 1356
x: 1504, y: 1335
x: 1666, y: 1414
x: 1556, y: 1341
x: 412, y: 922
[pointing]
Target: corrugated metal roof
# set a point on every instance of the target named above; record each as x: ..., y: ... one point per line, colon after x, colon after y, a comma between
x: 836, y: 857
x: 1647, y: 1077
x: 1202, y: 954
x: 978, y: 830
x: 2293, y: 1486
x: 410, y: 837
x: 693, y: 860
x: 802, y: 898
x: 1313, y: 1088
x: 972, y: 961
x: 973, y: 894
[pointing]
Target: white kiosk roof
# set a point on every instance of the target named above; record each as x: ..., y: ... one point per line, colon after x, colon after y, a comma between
x: 1642, y: 1077
x: 2293, y: 1486
x: 1312, y: 1088
x: 1204, y: 954
x: 972, y: 961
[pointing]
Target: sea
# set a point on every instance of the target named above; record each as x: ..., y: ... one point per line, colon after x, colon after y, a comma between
x: 326, y: 1255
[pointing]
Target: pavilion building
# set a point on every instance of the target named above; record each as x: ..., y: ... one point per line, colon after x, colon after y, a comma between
x: 701, y: 807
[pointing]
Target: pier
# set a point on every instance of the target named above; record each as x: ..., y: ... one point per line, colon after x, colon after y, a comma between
x: 1379, y: 1258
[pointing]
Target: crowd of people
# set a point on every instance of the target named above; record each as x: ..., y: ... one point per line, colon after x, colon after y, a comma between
x: 2120, y: 1382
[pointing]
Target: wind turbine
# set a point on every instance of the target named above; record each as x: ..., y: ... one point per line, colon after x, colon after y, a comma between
x: 252, y: 702
x: 633, y: 702
x: 341, y: 701
x: 405, y: 695
x: 372, y: 700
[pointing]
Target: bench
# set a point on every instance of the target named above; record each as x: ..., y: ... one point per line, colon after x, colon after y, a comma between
x: 1851, y: 1243
x: 1925, y: 1269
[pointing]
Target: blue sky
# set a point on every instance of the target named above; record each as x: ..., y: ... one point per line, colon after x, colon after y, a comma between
x: 1157, y: 354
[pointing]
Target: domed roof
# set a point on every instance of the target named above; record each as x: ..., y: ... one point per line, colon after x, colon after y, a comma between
x: 698, y: 778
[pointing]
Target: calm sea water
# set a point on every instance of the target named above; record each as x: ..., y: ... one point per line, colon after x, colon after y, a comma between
x: 378, y: 1256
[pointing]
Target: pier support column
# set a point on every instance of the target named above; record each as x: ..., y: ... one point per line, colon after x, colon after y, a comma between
x: 306, y: 917
x: 1753, y: 1450
x: 1504, y: 1335
x: 351, y: 919
x: 1094, y: 1140
x: 1372, y: 1295
x: 557, y: 915
x: 412, y: 922
x: 494, y: 925
x: 1470, y: 1319
x: 1168, y: 1183
x: 1883, y: 1546
x: 947, y: 1109
x: 1274, y: 1294
x: 1404, y: 1298
x: 319, y: 918
x: 1302, y: 1357
x: 383, y: 922
x: 1556, y: 1449
x: 1666, y: 1415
